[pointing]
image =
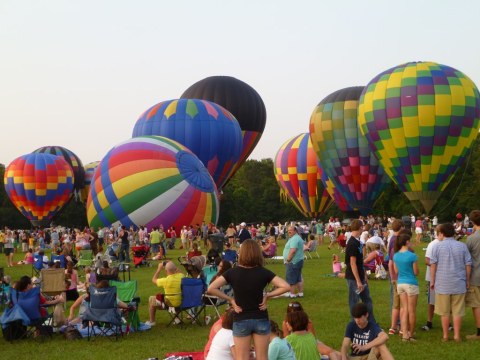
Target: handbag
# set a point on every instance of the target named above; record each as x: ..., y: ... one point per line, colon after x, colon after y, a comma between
x: 380, y: 272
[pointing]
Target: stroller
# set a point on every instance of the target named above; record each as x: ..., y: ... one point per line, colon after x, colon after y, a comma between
x: 193, y: 266
x: 140, y: 255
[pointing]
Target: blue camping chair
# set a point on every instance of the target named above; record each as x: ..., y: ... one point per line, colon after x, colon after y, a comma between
x: 103, y: 318
x: 192, y: 304
x: 37, y: 265
x: 61, y: 259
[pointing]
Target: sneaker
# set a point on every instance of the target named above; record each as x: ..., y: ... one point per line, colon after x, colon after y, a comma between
x: 473, y: 337
x: 177, y: 321
x: 149, y: 323
x: 293, y: 296
x: 287, y: 294
x: 426, y: 328
x: 300, y: 295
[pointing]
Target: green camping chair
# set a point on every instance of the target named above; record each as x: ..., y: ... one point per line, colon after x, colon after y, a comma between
x: 127, y: 292
x: 85, y: 258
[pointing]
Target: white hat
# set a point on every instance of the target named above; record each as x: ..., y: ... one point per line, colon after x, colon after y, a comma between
x: 243, y: 224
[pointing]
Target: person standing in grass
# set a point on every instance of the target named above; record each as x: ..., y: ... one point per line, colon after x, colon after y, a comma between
x: 406, y: 266
x: 473, y: 295
x: 355, y: 273
x: 293, y: 257
x: 450, y: 266
x: 248, y: 280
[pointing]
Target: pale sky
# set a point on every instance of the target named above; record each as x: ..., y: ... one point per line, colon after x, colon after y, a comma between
x: 79, y: 73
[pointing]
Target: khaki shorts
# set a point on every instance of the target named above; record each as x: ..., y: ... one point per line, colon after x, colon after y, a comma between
x: 409, y: 289
x: 372, y: 355
x: 396, y: 298
x: 472, y: 298
x: 446, y: 304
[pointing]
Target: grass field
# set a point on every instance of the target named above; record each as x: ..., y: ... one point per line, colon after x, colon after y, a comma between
x: 325, y: 301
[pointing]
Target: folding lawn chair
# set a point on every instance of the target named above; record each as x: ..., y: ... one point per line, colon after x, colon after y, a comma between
x: 37, y: 265
x: 27, y: 309
x: 192, y: 302
x: 53, y: 283
x: 312, y: 250
x: 85, y: 258
x: 127, y: 292
x: 103, y: 318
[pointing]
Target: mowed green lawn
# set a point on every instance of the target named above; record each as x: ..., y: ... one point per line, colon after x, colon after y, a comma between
x: 325, y: 301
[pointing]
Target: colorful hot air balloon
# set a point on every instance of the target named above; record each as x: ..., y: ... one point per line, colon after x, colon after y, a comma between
x: 241, y: 100
x: 210, y: 131
x: 343, y: 150
x: 341, y: 202
x: 72, y: 160
x: 298, y: 174
x: 89, y: 170
x: 151, y: 181
x: 39, y: 185
x: 420, y: 119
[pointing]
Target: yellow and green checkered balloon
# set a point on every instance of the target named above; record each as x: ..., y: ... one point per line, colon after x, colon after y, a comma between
x: 420, y: 120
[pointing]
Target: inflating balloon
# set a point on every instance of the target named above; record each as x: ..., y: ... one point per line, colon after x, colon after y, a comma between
x: 207, y: 129
x: 343, y: 150
x: 151, y: 181
x: 39, y: 185
x: 241, y: 100
x: 299, y: 174
x: 89, y: 170
x: 420, y: 120
x: 72, y: 160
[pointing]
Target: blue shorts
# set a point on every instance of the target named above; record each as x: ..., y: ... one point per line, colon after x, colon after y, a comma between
x: 294, y: 272
x: 248, y: 327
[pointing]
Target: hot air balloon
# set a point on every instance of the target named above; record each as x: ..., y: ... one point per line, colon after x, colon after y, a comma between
x: 299, y: 175
x: 151, y: 181
x: 89, y: 170
x: 343, y: 150
x: 210, y: 131
x: 72, y: 160
x: 241, y: 100
x: 39, y: 185
x: 420, y: 119
x: 341, y: 202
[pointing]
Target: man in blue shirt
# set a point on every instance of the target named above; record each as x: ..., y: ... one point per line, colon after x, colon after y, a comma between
x: 450, y: 266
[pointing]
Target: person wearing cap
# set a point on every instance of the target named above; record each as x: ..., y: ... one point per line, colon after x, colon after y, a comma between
x: 243, y: 233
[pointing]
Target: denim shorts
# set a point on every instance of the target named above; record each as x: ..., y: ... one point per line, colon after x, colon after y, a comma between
x: 294, y: 272
x: 248, y: 327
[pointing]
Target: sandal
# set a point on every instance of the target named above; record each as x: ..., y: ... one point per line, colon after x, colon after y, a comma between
x: 392, y: 331
x: 444, y: 339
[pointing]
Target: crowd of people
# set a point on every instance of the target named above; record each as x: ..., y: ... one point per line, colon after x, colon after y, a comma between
x: 453, y: 277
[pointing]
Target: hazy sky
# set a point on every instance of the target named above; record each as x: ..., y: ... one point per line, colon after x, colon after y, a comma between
x: 79, y: 73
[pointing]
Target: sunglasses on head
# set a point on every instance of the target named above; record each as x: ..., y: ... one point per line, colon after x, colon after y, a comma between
x: 295, y: 305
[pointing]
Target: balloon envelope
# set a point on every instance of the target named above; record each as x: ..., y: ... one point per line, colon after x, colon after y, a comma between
x: 343, y: 150
x: 298, y: 174
x: 151, y: 181
x: 241, y: 100
x: 89, y: 171
x: 420, y: 120
x: 39, y: 185
x: 72, y: 160
x: 207, y: 129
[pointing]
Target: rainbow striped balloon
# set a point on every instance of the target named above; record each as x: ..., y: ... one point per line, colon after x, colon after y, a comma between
x: 39, y: 185
x: 299, y: 174
x: 151, y: 181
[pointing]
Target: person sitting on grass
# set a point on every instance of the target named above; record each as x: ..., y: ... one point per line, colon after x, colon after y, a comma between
x: 303, y: 342
x: 337, y: 266
x: 194, y: 251
x: 28, y: 259
x: 364, y: 337
x: 222, y: 346
x: 279, y: 348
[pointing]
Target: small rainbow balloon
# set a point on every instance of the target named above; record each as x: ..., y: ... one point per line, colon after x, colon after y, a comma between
x: 39, y: 185
x: 151, y: 181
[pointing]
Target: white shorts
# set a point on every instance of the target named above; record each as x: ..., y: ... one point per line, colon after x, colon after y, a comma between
x: 418, y: 230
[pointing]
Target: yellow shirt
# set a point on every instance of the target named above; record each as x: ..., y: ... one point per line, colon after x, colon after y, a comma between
x: 172, y: 287
x: 2, y: 237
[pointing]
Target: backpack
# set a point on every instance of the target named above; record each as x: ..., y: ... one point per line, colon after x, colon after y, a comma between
x: 15, y: 330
